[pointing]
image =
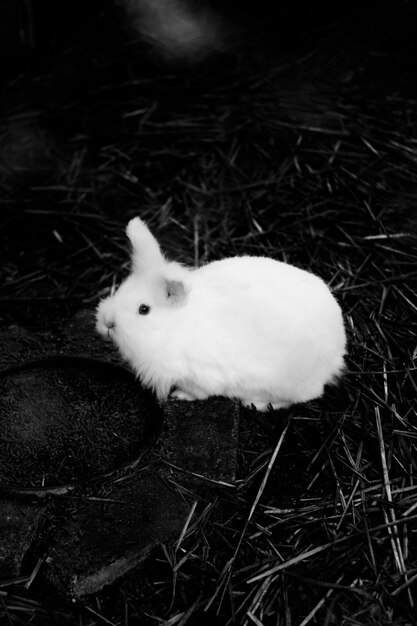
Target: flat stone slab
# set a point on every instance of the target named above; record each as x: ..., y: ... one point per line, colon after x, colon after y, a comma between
x: 86, y: 425
x: 67, y: 419
x: 201, y: 437
x: 107, y: 535
x: 18, y: 524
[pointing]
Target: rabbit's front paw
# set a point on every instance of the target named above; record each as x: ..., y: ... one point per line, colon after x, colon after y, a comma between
x: 258, y: 406
x: 179, y: 394
x: 262, y: 407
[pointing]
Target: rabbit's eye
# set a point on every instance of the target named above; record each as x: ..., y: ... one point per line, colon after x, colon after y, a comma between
x: 144, y: 309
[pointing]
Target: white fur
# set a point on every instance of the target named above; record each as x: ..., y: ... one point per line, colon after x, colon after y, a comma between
x: 250, y: 328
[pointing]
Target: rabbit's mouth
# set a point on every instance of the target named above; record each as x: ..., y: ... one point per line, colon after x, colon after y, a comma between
x: 105, y: 331
x: 108, y: 336
x: 106, y: 325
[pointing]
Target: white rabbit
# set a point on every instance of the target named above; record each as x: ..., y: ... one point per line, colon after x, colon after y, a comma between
x: 250, y: 328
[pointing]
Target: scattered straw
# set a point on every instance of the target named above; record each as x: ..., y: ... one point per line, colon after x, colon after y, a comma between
x: 310, y: 159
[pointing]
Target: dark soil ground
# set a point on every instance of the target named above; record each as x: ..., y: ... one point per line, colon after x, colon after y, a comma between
x: 298, y: 142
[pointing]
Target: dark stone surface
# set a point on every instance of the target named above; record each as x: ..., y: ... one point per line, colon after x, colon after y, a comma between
x: 65, y: 420
x: 202, y: 436
x: 106, y: 536
x: 18, y: 524
x: 42, y: 330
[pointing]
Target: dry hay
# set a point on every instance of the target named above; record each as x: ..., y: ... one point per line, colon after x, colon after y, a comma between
x: 312, y: 166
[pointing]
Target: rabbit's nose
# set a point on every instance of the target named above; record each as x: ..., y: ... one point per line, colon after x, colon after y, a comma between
x: 109, y: 322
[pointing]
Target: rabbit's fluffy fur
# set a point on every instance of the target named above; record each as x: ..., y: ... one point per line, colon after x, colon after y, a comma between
x: 250, y: 328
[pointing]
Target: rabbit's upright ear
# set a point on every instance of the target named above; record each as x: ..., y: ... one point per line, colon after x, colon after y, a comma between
x: 146, y: 253
x: 175, y: 291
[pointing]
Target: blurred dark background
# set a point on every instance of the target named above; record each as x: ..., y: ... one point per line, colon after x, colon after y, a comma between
x: 40, y: 33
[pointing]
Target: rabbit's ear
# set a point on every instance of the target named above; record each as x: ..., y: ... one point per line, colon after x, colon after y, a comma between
x: 146, y: 253
x: 175, y: 291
